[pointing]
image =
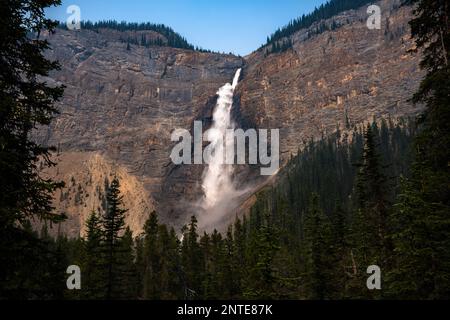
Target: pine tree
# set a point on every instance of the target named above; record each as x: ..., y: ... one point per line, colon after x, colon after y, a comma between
x: 191, y: 258
x: 173, y: 39
x: 93, y: 275
x: 127, y: 266
x: 318, y: 251
x: 340, y: 255
x: 421, y: 219
x: 326, y: 167
x: 152, y: 257
x: 326, y: 11
x: 26, y: 102
x: 177, y: 283
x: 170, y: 281
x: 50, y: 267
x: 113, y: 223
x: 140, y: 266
x: 227, y: 267
x: 263, y: 247
x: 209, y: 281
x: 158, y: 260
x: 239, y: 261
x: 370, y: 233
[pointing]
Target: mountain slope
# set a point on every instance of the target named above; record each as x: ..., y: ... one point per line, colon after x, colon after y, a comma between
x: 123, y: 104
x: 348, y: 75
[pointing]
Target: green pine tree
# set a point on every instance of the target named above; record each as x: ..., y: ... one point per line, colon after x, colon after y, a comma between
x: 113, y: 223
x: 93, y: 275
x: 421, y: 220
x: 318, y: 250
x: 140, y: 266
x: 152, y: 257
x: 128, y: 271
x: 370, y: 228
x: 191, y: 259
x: 26, y: 102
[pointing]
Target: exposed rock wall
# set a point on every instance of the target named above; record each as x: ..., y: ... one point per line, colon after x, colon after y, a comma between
x: 120, y: 106
x: 351, y: 74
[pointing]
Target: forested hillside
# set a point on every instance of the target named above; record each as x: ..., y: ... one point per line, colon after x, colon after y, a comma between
x: 372, y: 195
x: 324, y: 11
x: 310, y: 236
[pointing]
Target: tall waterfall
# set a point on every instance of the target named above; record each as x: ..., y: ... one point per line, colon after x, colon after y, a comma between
x: 217, y: 184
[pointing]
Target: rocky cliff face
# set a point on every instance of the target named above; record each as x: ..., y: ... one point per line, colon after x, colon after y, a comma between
x: 340, y: 77
x: 120, y: 106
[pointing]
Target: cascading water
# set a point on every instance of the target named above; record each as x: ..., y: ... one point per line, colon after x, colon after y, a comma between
x: 217, y: 183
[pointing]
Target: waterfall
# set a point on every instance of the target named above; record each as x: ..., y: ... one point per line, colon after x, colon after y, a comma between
x: 217, y: 183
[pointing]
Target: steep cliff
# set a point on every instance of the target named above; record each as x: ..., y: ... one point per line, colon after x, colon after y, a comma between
x: 340, y: 77
x: 120, y: 106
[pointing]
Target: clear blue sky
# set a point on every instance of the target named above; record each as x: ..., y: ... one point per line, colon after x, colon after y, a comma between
x: 238, y: 26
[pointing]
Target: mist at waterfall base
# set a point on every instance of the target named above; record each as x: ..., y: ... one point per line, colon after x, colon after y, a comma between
x: 219, y: 190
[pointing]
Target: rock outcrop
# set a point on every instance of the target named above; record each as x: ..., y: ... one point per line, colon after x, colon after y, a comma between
x: 120, y: 106
x: 123, y: 105
x: 337, y: 78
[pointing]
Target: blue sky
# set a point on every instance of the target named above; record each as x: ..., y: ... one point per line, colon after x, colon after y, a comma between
x: 238, y: 26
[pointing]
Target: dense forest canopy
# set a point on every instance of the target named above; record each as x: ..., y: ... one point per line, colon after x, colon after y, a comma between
x: 324, y: 11
x: 296, y: 243
x: 172, y: 38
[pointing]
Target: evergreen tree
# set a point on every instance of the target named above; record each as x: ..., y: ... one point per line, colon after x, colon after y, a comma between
x: 370, y: 232
x: 158, y: 260
x: 340, y: 254
x: 262, y: 279
x: 421, y: 220
x: 227, y: 267
x: 171, y: 38
x: 318, y: 249
x: 324, y: 11
x: 50, y: 266
x: 152, y: 257
x: 209, y: 282
x: 93, y: 275
x: 140, y: 265
x: 113, y: 223
x: 127, y: 266
x: 191, y: 258
x: 170, y: 284
x: 26, y: 102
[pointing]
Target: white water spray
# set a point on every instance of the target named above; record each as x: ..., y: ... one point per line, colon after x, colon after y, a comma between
x: 217, y: 184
